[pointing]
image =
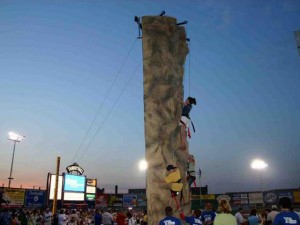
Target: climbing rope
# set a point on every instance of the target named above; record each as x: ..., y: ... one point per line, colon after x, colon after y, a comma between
x: 104, y: 99
x: 111, y: 109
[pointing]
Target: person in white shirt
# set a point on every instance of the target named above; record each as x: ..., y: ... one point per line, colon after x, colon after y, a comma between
x: 271, y: 215
x: 47, y: 217
x: 107, y: 218
x: 62, y: 218
x: 239, y: 217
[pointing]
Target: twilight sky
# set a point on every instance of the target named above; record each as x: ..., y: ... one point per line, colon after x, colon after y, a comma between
x: 64, y: 62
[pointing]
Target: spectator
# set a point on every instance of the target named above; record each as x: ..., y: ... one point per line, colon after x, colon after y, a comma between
x: 239, y: 217
x: 74, y: 218
x: 23, y: 217
x: 145, y: 218
x: 130, y: 219
x: 15, y: 220
x: 120, y: 219
x: 286, y: 216
x: 47, y: 218
x: 98, y: 217
x: 107, y: 218
x: 192, y: 219
x: 253, y: 219
x: 62, y: 218
x: 272, y: 214
x: 208, y: 216
x: 169, y: 219
x: 5, y: 217
x: 225, y: 217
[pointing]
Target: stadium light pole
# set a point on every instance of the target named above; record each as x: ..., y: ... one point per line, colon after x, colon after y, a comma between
x: 15, y: 137
x: 258, y: 164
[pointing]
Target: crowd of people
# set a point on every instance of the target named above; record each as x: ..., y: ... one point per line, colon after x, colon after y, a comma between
x: 71, y: 217
x: 222, y: 216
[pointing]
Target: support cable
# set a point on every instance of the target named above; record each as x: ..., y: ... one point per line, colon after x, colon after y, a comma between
x: 101, y: 106
x: 108, y: 114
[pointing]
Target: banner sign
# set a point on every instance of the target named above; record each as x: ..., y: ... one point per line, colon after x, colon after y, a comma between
x: 296, y: 196
x: 239, y: 198
x: 90, y: 197
x: 255, y: 198
x: 91, y: 182
x: 35, y: 198
x: 129, y: 200
x: 204, y: 197
x: 13, y: 197
x: 288, y: 194
x: 102, y: 201
x: 270, y: 197
x: 115, y: 200
x: 142, y: 200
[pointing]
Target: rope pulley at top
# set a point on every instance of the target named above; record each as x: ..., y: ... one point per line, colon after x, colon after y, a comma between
x: 163, y: 12
x: 138, y: 21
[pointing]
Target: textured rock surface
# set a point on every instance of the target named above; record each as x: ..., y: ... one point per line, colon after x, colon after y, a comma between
x: 164, y: 54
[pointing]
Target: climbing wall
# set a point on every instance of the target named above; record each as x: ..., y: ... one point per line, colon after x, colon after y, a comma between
x: 164, y: 54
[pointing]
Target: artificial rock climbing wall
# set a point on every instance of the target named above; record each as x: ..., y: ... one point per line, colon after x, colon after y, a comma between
x: 164, y: 54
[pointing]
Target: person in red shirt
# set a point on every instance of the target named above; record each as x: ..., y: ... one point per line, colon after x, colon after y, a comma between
x: 120, y: 219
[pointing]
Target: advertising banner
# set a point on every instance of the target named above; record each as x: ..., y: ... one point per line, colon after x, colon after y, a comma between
x: 207, y: 197
x: 296, y: 196
x: 13, y: 197
x: 270, y: 197
x: 255, y: 198
x: 91, y: 182
x: 203, y: 197
x: 35, y: 198
x: 142, y: 200
x: 239, y: 198
x: 90, y: 197
x: 288, y: 194
x: 102, y: 200
x: 115, y: 200
x: 129, y: 200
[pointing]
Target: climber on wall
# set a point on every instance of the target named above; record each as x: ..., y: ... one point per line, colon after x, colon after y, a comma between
x: 185, y: 119
x: 191, y: 174
x: 174, y: 178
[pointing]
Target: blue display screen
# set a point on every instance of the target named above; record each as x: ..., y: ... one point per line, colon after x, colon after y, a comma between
x: 74, y: 183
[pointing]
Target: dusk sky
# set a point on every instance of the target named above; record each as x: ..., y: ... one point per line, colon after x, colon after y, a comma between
x: 64, y: 62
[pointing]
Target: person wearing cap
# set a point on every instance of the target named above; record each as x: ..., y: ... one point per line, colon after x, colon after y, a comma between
x: 174, y: 178
x: 169, y: 219
x: 271, y: 215
x: 208, y: 216
x: 185, y: 119
x: 225, y: 217
x: 287, y: 215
